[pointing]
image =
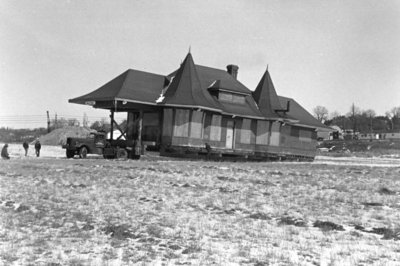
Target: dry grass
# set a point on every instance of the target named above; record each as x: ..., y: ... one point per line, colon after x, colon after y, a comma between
x: 99, y: 212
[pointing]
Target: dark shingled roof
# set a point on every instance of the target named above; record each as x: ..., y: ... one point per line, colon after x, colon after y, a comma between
x: 297, y: 112
x: 211, y: 78
x: 249, y: 109
x: 191, y: 86
x: 132, y: 85
x: 218, y: 78
x: 186, y: 89
x: 266, y: 98
x: 210, y: 75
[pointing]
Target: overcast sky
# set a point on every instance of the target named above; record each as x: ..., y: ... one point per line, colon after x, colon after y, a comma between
x: 329, y: 53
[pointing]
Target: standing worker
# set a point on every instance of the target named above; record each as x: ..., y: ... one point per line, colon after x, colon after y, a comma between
x: 37, y: 148
x: 4, y: 152
x: 26, y: 147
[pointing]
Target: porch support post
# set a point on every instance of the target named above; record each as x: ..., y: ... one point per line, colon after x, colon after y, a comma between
x: 112, y: 124
x: 140, y: 126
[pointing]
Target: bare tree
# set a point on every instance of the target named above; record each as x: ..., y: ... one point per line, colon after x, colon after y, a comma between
x: 353, y: 114
x: 85, y: 120
x: 369, y: 113
x: 393, y: 115
x: 334, y: 114
x: 321, y: 113
x: 395, y: 112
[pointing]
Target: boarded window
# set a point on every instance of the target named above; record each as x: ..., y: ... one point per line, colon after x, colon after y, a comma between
x: 130, y: 126
x: 225, y: 97
x: 238, y: 99
x: 245, y: 135
x: 305, y: 135
x: 167, y: 122
x: 150, y: 119
x: 274, y: 141
x: 215, y: 133
x: 295, y: 132
x: 231, y: 98
x: 207, y: 126
x: 196, y: 125
x: 181, y: 128
x: 262, y: 132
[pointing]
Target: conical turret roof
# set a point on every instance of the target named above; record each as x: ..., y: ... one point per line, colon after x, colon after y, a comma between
x: 185, y: 89
x: 266, y: 97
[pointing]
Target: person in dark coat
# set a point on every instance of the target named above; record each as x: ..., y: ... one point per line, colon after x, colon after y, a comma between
x: 4, y: 152
x: 208, y: 149
x: 26, y: 147
x: 37, y: 147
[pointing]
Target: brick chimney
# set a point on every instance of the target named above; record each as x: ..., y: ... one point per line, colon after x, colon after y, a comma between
x: 233, y: 70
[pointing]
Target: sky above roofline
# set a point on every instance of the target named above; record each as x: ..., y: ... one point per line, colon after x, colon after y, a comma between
x: 329, y: 53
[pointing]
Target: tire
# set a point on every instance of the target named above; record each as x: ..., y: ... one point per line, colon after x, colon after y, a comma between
x: 122, y: 154
x: 108, y: 157
x: 83, y: 152
x: 70, y: 153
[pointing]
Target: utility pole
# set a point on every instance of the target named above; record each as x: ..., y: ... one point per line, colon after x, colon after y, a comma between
x: 370, y: 119
x: 48, y: 122
x: 353, y: 111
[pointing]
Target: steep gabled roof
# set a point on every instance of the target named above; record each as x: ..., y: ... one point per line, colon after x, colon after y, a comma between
x: 186, y: 89
x: 265, y: 96
x: 210, y: 76
x: 132, y: 85
x: 226, y: 82
x: 248, y: 109
x: 190, y: 88
x: 304, y: 118
x: 217, y: 79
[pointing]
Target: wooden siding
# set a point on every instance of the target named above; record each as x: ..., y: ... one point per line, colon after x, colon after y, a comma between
x: 253, y: 132
x: 275, y: 129
x: 190, y: 129
x: 196, y: 126
x: 294, y: 141
x: 245, y: 130
x: 238, y: 126
x: 215, y: 133
x: 168, y: 122
x: 131, y: 126
x: 207, y: 126
x: 224, y: 123
x: 181, y: 125
x: 263, y: 133
x: 306, y: 135
x: 151, y: 127
x: 151, y: 119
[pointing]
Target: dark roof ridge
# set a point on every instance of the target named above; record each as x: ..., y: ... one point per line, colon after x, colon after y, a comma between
x: 186, y: 88
x: 266, y: 97
x: 147, y: 72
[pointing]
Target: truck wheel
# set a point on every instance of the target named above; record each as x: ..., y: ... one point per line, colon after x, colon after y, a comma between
x: 70, y: 153
x: 83, y: 152
x: 122, y: 154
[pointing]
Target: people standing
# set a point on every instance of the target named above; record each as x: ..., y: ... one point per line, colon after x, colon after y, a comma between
x: 37, y: 147
x: 26, y: 147
x: 4, y: 152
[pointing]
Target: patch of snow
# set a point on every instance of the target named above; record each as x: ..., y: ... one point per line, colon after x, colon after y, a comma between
x: 160, y: 99
x: 354, y: 161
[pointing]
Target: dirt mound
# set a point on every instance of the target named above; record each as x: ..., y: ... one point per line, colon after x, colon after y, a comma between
x: 59, y: 136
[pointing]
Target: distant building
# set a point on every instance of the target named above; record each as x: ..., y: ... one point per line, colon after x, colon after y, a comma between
x: 380, y: 136
x: 329, y: 133
x: 198, y: 109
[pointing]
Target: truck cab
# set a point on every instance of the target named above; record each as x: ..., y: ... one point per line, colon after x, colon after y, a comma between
x: 93, y: 144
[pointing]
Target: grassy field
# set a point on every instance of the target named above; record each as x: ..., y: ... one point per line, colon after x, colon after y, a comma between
x: 57, y: 211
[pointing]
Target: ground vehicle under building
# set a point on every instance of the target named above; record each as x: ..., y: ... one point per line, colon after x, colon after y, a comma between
x: 96, y: 143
